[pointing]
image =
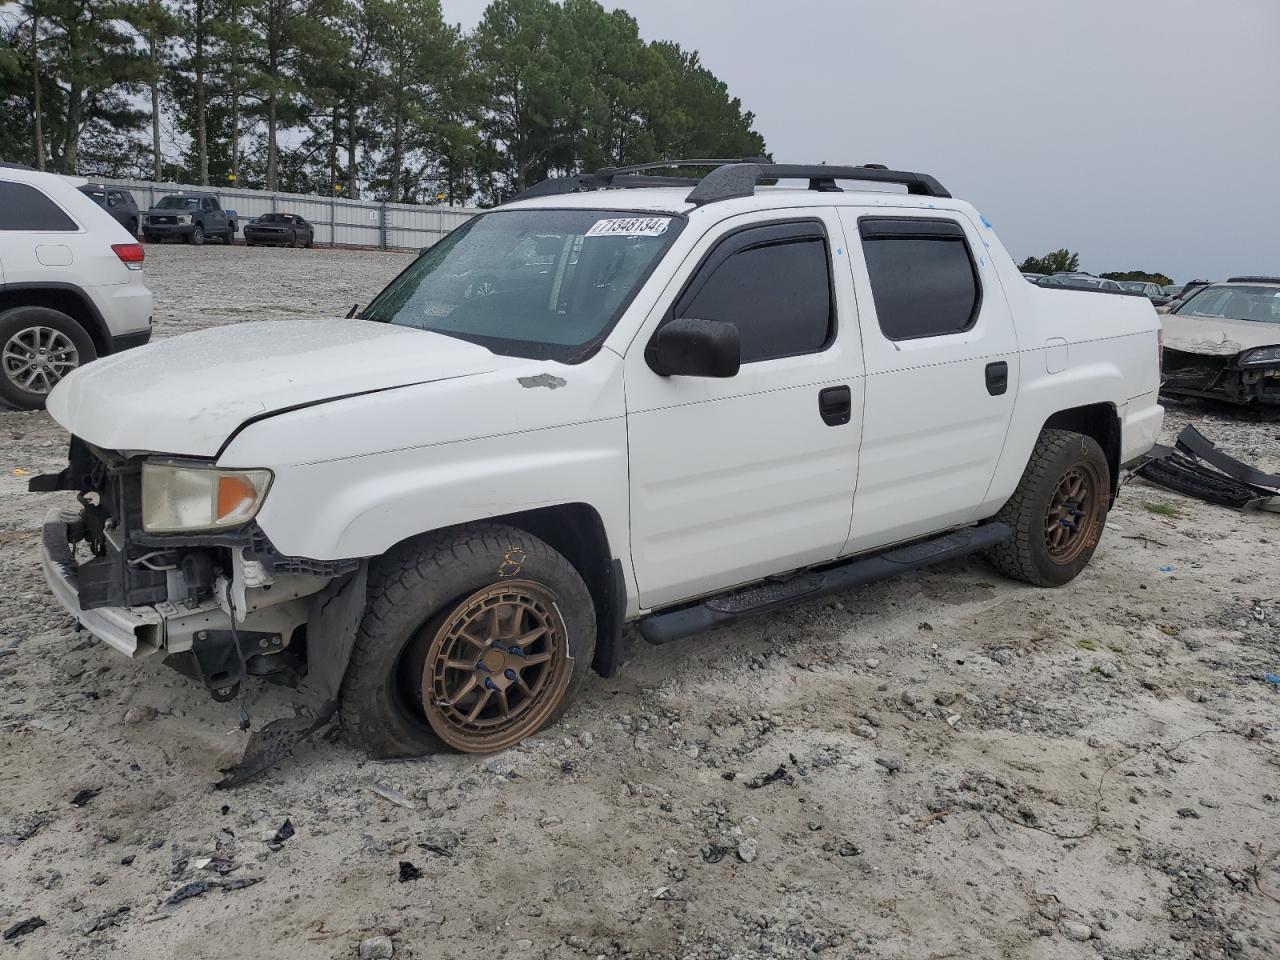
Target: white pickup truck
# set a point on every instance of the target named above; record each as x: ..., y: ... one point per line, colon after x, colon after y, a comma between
x: 623, y: 397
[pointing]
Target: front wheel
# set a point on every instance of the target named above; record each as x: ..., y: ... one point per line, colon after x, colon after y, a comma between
x: 1058, y: 511
x: 40, y: 347
x: 472, y: 639
x: 196, y: 236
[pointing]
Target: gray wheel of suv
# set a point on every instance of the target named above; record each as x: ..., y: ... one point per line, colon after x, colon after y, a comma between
x: 38, y: 347
x: 196, y: 236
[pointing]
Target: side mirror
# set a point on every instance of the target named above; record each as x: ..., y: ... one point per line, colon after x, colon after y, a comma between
x: 695, y: 348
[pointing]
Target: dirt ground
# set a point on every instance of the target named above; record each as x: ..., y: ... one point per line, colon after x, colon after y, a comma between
x: 947, y: 765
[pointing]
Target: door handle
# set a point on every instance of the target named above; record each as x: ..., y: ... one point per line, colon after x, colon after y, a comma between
x: 997, y: 378
x: 835, y: 404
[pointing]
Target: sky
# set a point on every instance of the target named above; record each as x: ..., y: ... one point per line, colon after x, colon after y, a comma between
x: 1143, y: 134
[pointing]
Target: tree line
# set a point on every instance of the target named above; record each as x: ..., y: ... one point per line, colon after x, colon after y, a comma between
x: 1067, y: 261
x: 378, y: 98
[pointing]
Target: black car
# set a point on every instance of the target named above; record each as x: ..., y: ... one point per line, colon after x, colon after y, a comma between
x: 286, y: 229
x: 117, y: 202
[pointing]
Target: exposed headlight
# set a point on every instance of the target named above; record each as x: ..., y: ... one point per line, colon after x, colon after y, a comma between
x: 1261, y: 355
x: 184, y: 218
x: 178, y: 498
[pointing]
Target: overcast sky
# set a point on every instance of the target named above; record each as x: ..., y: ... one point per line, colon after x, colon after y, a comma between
x: 1144, y: 134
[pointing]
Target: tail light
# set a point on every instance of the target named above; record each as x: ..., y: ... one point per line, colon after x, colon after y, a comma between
x: 1160, y: 354
x: 130, y: 254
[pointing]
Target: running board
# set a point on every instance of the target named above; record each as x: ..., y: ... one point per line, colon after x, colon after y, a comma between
x: 676, y: 624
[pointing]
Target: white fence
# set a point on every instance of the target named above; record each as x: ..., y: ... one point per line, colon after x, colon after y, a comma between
x: 340, y: 222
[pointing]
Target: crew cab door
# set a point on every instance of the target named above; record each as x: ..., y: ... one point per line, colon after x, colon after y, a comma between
x: 735, y: 479
x: 215, y: 221
x: 942, y: 372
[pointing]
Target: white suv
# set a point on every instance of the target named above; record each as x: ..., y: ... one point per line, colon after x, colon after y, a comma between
x: 71, y: 285
x: 609, y: 401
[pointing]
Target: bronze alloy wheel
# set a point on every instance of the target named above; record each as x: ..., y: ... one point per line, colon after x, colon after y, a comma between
x: 1072, y: 518
x: 496, y: 668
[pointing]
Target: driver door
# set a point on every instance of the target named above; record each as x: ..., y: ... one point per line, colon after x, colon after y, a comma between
x: 735, y: 479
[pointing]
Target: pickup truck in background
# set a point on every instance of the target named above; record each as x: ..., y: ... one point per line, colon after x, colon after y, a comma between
x: 192, y: 217
x: 703, y: 398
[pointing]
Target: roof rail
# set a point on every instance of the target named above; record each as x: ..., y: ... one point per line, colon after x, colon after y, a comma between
x: 740, y: 179
x: 729, y: 179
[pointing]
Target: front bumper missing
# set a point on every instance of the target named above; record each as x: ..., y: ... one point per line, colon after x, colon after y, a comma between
x: 133, y: 631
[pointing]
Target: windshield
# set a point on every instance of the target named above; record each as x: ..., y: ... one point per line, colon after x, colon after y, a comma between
x: 1261, y: 304
x: 178, y: 203
x: 1133, y: 286
x: 275, y: 218
x: 97, y: 193
x: 535, y: 283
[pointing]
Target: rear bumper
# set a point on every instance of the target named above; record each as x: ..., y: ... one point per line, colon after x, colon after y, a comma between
x: 134, y: 631
x: 1143, y: 420
x: 127, y: 341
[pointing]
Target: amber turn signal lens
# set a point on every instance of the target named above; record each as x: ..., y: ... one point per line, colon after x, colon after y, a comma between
x: 236, y: 495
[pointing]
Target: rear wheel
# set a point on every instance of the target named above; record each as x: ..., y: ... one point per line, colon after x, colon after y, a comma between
x: 293, y: 239
x: 473, y: 639
x: 230, y: 235
x: 132, y: 226
x: 1058, y: 511
x: 40, y: 346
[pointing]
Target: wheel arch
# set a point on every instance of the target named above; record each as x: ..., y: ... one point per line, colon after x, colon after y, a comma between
x: 577, y: 532
x: 1101, y: 421
x: 66, y: 298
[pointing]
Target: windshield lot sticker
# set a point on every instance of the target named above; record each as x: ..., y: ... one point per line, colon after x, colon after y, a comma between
x: 630, y: 227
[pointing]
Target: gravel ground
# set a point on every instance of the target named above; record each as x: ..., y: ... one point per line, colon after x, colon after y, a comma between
x: 944, y: 765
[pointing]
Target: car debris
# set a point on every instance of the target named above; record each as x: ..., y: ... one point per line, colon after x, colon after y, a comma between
x: 84, y: 796
x: 395, y: 796
x: 22, y: 928
x: 1197, y: 468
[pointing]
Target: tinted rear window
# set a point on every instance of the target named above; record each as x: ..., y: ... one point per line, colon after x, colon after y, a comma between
x: 23, y: 207
x: 922, y: 277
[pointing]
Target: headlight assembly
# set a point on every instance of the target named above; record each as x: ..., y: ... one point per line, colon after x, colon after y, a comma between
x: 1251, y: 358
x: 180, y: 498
x: 184, y: 218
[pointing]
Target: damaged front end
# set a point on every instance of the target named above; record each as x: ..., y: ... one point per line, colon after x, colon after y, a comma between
x: 1249, y: 378
x: 219, y: 605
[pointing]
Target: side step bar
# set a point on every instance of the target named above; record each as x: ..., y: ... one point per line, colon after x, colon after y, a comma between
x: 686, y: 621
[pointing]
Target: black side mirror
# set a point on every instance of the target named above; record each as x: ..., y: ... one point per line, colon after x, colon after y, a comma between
x: 695, y: 348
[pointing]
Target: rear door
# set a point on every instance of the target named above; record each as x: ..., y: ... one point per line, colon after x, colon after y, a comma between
x: 942, y: 372
x: 215, y: 221
x: 735, y: 479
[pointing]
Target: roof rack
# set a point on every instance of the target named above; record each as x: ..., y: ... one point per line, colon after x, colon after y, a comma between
x: 740, y: 180
x: 730, y: 179
x: 1253, y: 279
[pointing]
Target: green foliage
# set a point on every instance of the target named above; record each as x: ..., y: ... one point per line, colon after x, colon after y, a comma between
x: 1059, y: 261
x: 354, y: 96
x: 1142, y: 275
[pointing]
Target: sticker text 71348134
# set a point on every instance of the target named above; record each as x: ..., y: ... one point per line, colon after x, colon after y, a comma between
x: 630, y: 227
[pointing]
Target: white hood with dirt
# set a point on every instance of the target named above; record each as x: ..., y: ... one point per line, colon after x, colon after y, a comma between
x: 186, y: 395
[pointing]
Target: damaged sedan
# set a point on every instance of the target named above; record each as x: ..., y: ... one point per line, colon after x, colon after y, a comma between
x: 1223, y: 343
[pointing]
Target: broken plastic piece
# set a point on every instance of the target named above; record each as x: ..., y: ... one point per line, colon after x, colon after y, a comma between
x: 1232, y: 484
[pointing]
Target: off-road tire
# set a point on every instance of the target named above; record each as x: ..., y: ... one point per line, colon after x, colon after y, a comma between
x: 132, y: 226
x: 229, y: 237
x: 412, y: 590
x: 16, y: 319
x: 1027, y: 555
x: 196, y: 236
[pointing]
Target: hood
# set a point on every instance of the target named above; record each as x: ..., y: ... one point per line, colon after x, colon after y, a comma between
x: 186, y: 395
x: 1216, y: 336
